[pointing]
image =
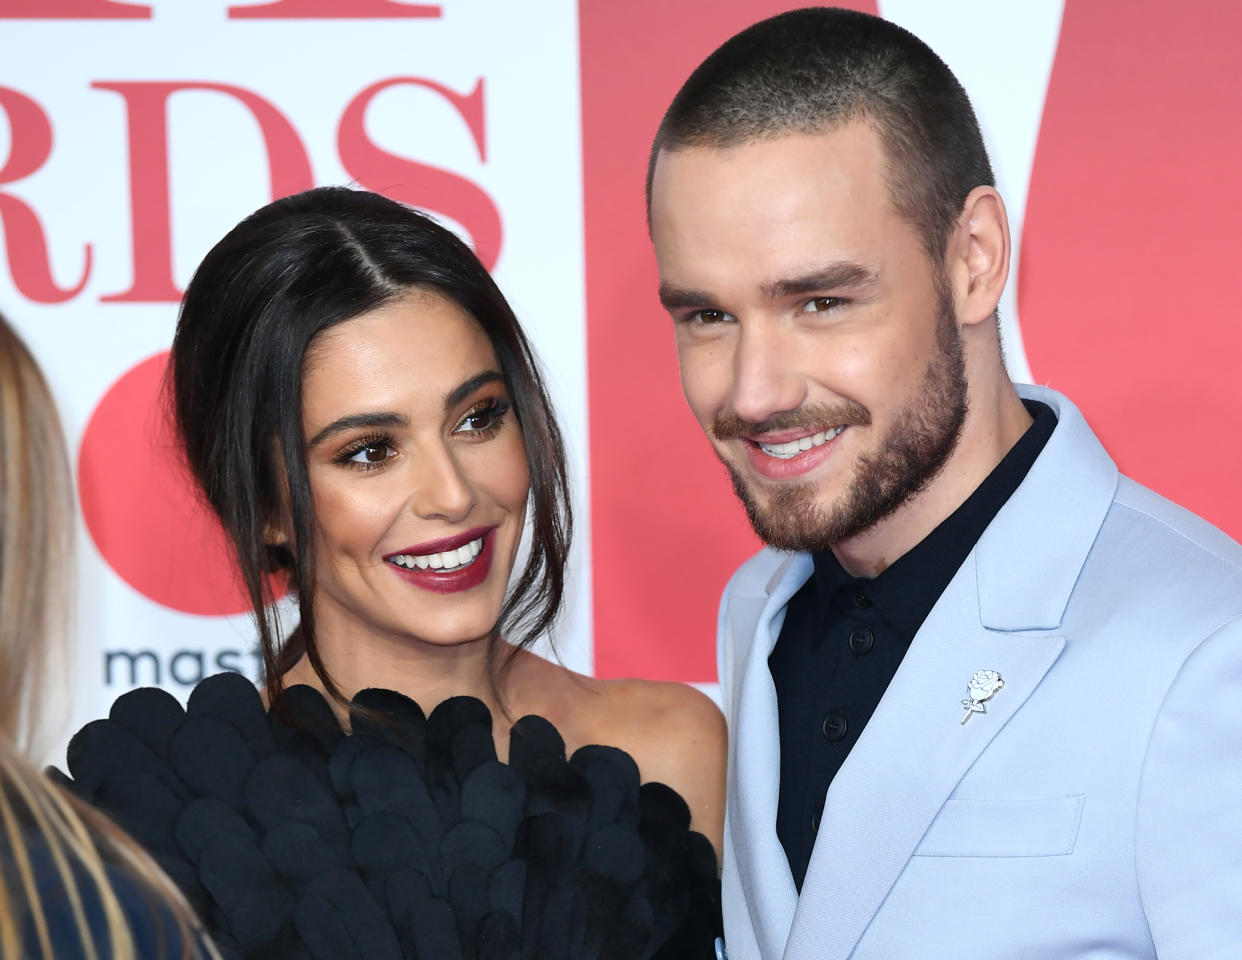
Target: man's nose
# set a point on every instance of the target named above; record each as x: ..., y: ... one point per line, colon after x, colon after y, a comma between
x: 441, y: 490
x: 766, y: 373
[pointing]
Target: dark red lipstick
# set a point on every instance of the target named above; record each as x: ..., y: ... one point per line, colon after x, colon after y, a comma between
x: 448, y: 581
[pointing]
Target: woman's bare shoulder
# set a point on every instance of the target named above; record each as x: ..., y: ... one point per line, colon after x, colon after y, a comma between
x: 676, y: 734
x: 650, y: 716
x: 664, y: 717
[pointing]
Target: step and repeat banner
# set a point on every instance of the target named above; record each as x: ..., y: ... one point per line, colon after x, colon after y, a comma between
x: 133, y: 135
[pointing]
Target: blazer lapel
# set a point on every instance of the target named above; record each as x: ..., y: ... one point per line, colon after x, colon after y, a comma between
x: 754, y: 763
x: 907, y: 762
x: 915, y: 749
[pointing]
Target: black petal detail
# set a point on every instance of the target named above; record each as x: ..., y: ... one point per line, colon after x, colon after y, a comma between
x: 408, y: 839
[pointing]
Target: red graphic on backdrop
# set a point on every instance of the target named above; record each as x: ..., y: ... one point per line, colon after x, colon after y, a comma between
x: 666, y: 531
x: 141, y: 506
x: 335, y: 10
x: 147, y: 104
x: 420, y: 184
x: 1129, y: 279
x: 277, y: 10
x: 30, y: 136
x: 72, y: 10
x: 288, y: 165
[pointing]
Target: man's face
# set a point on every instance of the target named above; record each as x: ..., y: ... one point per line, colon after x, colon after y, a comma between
x: 818, y: 345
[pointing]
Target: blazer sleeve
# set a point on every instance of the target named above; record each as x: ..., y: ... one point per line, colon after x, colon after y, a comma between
x: 1188, y: 839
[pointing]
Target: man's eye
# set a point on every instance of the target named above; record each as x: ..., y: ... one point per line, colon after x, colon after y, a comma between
x: 709, y: 316
x: 821, y: 304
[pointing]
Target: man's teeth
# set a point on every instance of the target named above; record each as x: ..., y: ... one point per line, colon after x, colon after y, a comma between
x: 783, y: 451
x: 448, y: 560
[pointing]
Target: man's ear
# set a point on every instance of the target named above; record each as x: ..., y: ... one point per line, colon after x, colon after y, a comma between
x: 978, y: 256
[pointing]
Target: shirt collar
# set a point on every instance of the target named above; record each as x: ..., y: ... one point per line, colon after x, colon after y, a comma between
x: 905, y: 592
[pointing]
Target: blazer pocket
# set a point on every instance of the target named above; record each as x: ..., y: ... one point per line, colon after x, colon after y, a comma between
x: 1004, y: 828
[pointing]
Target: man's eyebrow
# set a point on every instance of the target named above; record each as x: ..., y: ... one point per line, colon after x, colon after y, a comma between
x: 832, y: 277
x: 354, y: 421
x: 459, y: 393
x: 673, y: 297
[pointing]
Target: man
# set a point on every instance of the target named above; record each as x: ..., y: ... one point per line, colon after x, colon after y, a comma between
x: 984, y: 694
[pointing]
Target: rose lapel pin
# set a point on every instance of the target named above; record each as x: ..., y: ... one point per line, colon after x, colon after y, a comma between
x: 982, y: 688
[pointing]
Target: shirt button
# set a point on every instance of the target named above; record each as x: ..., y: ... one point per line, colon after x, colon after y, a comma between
x: 815, y: 818
x: 835, y: 726
x: 861, y: 641
x: 861, y: 600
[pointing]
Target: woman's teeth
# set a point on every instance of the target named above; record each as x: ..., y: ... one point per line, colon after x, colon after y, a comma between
x: 784, y: 451
x: 448, y: 560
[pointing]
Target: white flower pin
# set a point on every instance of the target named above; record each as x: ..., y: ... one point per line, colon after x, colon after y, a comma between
x: 982, y: 687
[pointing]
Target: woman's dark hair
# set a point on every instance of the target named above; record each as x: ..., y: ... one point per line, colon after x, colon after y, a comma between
x: 279, y: 278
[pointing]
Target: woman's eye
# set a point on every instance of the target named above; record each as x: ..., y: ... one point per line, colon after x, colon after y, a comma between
x: 371, y: 453
x: 821, y: 304
x: 482, y: 420
x: 476, y: 421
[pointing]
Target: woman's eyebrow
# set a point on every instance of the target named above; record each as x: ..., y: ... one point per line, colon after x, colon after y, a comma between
x: 353, y: 421
x: 459, y: 393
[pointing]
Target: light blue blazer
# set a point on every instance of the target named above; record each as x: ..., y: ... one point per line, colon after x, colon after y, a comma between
x: 1093, y: 812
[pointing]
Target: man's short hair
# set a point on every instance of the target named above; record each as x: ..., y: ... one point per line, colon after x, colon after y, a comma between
x: 812, y: 70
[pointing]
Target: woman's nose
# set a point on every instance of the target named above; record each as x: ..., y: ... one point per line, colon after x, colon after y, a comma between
x: 441, y: 490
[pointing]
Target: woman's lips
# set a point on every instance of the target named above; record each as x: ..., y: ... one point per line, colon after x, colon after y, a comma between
x: 455, y: 542
x: 449, y: 564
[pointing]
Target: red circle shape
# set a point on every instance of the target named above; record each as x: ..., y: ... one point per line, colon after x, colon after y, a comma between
x: 142, y: 507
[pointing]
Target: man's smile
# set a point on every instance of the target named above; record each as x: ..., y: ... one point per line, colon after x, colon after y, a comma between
x: 790, y: 454
x: 787, y: 449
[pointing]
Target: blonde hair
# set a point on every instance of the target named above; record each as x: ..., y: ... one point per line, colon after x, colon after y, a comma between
x: 45, y: 831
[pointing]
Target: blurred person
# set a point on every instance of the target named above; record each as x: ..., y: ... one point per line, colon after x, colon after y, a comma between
x: 71, y: 883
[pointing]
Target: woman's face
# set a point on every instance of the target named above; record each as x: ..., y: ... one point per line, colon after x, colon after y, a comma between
x: 417, y: 472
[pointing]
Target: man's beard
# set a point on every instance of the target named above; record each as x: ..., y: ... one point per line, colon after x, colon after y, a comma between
x: 908, y: 457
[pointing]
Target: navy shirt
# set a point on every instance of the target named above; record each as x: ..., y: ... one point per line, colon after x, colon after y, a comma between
x: 844, y: 637
x: 152, y: 925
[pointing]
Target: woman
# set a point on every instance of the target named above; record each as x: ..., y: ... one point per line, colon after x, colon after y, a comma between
x: 71, y: 884
x: 363, y: 413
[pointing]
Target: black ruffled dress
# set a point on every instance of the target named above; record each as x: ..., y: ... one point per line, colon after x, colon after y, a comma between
x: 405, y: 839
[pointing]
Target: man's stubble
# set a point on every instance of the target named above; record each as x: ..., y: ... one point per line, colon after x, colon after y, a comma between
x: 906, y: 460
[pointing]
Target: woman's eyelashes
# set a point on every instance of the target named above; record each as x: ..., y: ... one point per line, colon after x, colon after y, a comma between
x: 367, y: 453
x: 373, y: 452
x: 483, y: 420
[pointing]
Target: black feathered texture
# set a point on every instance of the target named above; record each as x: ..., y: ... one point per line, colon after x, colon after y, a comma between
x: 407, y: 839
